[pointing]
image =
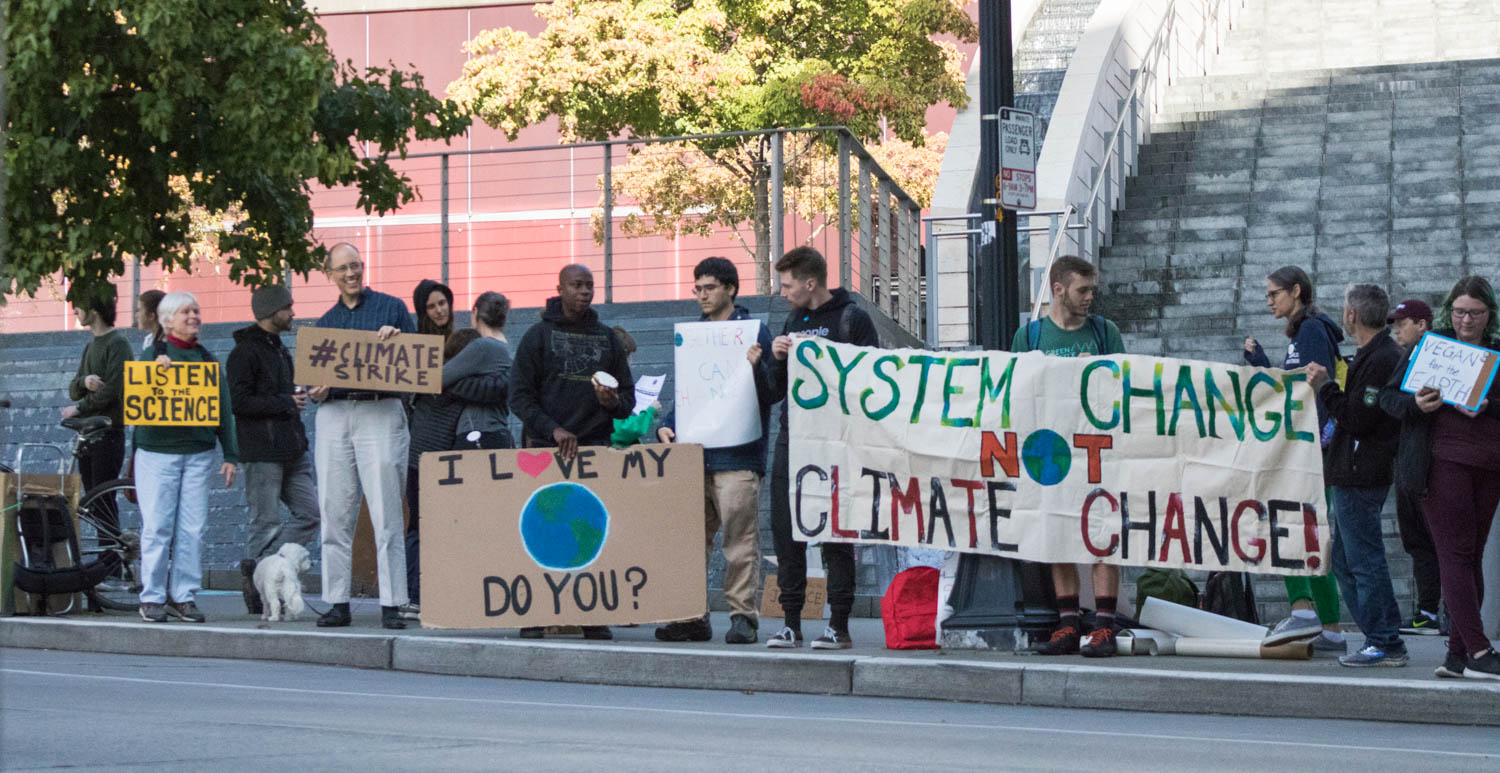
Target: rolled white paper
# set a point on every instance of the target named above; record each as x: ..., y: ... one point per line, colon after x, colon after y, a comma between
x: 1186, y: 621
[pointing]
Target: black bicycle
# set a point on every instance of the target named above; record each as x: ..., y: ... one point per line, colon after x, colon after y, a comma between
x: 101, y: 556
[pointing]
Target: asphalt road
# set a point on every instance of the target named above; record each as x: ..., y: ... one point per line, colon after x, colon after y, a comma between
x: 89, y: 711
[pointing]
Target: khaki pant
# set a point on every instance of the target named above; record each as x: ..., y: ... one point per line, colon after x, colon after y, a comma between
x: 731, y: 500
x: 361, y: 454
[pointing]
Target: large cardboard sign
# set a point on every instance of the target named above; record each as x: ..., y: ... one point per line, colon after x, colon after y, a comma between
x: 716, y: 402
x: 358, y: 359
x: 525, y: 537
x: 183, y: 394
x: 1461, y: 372
x: 1124, y: 459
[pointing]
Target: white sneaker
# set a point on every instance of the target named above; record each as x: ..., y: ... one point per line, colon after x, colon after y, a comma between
x: 785, y: 639
x: 832, y: 640
x: 411, y: 611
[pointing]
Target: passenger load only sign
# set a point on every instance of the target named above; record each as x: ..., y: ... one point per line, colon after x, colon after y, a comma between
x: 1016, y: 185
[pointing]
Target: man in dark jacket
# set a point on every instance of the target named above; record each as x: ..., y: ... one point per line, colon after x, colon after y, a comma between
x: 732, y: 481
x: 816, y: 310
x: 1409, y: 321
x: 1357, y: 468
x: 554, y: 389
x: 273, y: 442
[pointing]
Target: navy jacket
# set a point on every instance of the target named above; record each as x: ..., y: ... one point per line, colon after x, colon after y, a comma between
x: 750, y: 456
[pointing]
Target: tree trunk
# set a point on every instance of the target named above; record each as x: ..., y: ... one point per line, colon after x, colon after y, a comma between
x: 761, y: 217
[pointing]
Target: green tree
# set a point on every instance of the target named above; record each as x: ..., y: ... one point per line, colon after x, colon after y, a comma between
x: 654, y: 68
x: 145, y: 128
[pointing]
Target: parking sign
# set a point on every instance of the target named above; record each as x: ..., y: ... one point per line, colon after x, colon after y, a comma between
x: 1016, y: 186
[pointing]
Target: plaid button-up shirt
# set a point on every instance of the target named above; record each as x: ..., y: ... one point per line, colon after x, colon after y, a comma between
x: 374, y: 311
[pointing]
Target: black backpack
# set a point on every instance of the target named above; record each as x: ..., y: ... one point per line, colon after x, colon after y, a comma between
x: 1230, y: 594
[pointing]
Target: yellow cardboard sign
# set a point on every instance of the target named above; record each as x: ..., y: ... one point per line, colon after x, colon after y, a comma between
x: 183, y: 394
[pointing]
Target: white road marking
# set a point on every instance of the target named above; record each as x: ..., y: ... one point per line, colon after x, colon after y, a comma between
x: 747, y: 715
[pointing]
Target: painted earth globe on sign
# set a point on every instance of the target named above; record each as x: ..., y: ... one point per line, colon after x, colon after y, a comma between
x: 1047, y: 457
x: 563, y: 526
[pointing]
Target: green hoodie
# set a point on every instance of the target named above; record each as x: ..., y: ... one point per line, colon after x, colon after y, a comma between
x: 191, y: 440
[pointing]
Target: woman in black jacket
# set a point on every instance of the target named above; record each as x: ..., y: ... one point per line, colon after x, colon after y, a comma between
x: 1450, y: 457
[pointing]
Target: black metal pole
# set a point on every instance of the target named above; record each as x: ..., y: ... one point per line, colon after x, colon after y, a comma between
x: 995, y: 295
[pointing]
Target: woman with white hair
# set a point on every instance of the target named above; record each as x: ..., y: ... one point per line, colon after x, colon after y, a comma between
x: 172, y: 468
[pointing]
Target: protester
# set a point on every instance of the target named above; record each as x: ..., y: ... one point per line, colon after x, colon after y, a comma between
x: 488, y: 355
x: 1069, y: 330
x: 99, y: 390
x: 1450, y: 458
x: 554, y: 390
x: 361, y: 443
x: 832, y: 314
x: 627, y: 342
x: 433, y: 302
x: 145, y: 315
x: 434, y: 425
x: 272, y: 440
x: 732, y: 476
x: 172, y: 467
x: 1314, y: 338
x: 1411, y: 320
x: 1357, y: 468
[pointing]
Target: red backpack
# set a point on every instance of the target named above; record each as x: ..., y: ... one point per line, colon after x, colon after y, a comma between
x: 909, y: 610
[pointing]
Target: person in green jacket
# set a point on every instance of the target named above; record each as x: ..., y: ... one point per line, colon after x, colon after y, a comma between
x: 172, y: 468
x: 98, y: 390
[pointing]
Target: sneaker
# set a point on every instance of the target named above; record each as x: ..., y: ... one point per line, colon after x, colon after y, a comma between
x: 1064, y: 641
x: 253, y: 603
x: 185, y: 611
x: 1099, y: 644
x: 785, y: 639
x: 1373, y: 656
x: 598, y: 632
x: 833, y: 639
x: 686, y: 630
x: 743, y: 629
x: 153, y: 613
x: 1452, y: 668
x: 1422, y: 625
x: 1293, y: 628
x: 1486, y: 666
x: 337, y: 616
x: 411, y: 611
x: 1323, y: 647
x: 533, y: 632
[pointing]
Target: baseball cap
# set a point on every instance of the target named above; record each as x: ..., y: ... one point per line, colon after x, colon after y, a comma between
x: 1412, y: 309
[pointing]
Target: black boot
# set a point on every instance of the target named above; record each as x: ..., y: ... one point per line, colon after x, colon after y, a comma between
x: 390, y: 617
x: 247, y: 587
x: 337, y: 616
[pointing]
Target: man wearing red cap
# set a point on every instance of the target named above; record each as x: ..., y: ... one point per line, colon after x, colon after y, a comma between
x: 1409, y: 321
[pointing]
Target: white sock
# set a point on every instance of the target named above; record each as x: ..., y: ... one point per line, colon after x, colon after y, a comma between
x: 1305, y: 614
x: 1336, y: 638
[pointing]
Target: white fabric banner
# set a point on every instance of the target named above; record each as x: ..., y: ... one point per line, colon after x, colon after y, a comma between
x: 1121, y: 459
x: 716, y: 402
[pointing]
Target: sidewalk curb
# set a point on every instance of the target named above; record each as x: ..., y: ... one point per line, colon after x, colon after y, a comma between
x: 1025, y: 682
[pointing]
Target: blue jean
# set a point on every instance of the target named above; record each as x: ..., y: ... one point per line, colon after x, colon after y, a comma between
x: 173, y: 492
x: 1359, y: 563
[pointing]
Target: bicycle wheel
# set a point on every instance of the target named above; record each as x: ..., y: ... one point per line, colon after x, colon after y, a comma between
x: 117, y: 529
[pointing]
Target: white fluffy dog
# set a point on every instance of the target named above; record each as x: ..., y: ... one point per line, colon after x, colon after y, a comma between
x: 278, y: 580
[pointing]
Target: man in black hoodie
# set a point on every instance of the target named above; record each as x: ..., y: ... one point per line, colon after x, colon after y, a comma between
x: 816, y: 310
x: 553, y: 389
x: 273, y: 442
x: 1357, y: 468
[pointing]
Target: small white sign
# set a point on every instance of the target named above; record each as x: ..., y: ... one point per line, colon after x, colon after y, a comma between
x: 1460, y: 371
x: 1016, y: 185
x: 717, y: 406
x: 647, y: 390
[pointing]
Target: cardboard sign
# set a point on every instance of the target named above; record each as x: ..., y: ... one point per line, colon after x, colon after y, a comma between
x: 1461, y: 372
x: 183, y: 394
x: 716, y: 401
x: 815, y: 597
x: 1122, y: 459
x: 357, y: 359
x: 521, y: 538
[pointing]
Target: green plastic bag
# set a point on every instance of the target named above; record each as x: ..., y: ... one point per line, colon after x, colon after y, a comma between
x: 629, y: 431
x: 1168, y: 585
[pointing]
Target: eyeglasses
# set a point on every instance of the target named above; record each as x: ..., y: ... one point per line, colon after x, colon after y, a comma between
x: 1470, y: 313
x: 1271, y: 296
x: 706, y: 289
x: 346, y: 268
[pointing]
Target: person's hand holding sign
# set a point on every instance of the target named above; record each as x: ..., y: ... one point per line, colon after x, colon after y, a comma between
x: 1429, y: 399
x: 781, y: 347
x: 567, y: 442
x: 753, y: 355
x: 227, y: 470
x: 163, y: 362
x: 387, y: 332
x: 1317, y: 375
x: 1475, y: 413
x: 666, y: 435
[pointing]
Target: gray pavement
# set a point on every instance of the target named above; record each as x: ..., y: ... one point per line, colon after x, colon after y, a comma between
x: 227, y: 715
x: 1318, y: 688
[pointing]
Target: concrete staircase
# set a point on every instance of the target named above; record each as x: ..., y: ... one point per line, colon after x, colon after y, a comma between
x: 1353, y: 139
x: 1042, y: 58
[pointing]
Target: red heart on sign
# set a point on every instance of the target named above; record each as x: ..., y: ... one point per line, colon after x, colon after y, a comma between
x: 533, y: 464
